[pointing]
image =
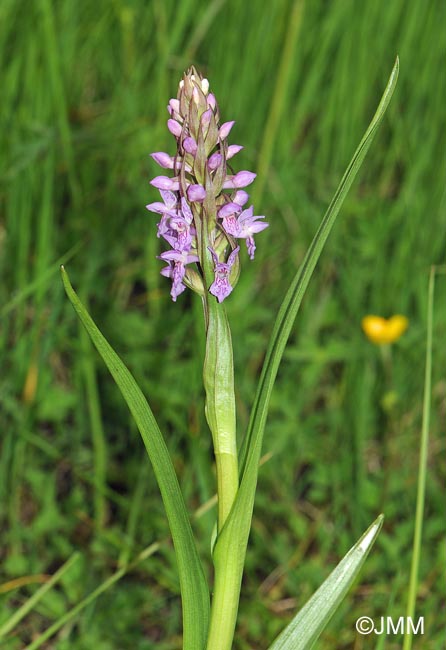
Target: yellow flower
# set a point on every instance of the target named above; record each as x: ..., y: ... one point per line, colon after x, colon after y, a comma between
x: 381, y: 330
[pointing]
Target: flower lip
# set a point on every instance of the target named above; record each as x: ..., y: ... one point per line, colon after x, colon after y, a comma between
x: 383, y: 331
x: 221, y: 287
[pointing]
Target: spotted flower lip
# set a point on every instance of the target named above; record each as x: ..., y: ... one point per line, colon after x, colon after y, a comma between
x: 221, y: 288
x: 382, y: 331
x: 203, y: 201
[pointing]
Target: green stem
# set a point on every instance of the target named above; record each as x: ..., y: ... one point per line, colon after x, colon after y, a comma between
x: 218, y: 376
x: 224, y: 605
x: 411, y: 599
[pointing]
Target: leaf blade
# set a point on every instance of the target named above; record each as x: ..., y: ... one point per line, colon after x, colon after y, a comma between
x: 309, y: 622
x: 230, y: 548
x: 193, y: 584
x: 293, y: 298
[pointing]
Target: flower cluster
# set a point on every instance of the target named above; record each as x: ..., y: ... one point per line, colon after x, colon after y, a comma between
x: 202, y: 208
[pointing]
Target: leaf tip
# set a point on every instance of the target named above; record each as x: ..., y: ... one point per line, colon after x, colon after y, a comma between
x: 371, y: 534
x: 396, y: 67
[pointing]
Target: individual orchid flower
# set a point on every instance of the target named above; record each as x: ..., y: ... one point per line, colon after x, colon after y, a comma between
x: 176, y: 270
x: 221, y: 287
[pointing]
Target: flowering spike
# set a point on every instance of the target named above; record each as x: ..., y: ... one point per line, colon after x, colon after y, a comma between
x: 202, y: 203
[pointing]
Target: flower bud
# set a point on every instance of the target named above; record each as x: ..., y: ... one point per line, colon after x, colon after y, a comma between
x: 174, y: 127
x: 196, y: 193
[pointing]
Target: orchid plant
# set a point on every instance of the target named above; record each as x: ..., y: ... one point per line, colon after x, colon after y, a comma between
x: 203, y: 218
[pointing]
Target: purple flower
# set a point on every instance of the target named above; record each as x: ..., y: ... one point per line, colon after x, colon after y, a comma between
x: 174, y: 127
x: 206, y: 117
x: 221, y: 288
x: 166, y: 183
x: 247, y: 227
x: 176, y: 269
x: 228, y: 213
x: 196, y: 193
x: 241, y: 179
x: 203, y: 192
x: 212, y: 103
x: 232, y: 150
x: 241, y: 197
x: 174, y: 109
x: 214, y: 161
x: 225, y: 129
x: 190, y: 146
x: 169, y: 205
x: 182, y: 238
x: 163, y: 159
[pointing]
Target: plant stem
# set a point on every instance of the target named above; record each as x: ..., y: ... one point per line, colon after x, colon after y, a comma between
x: 218, y: 377
x: 411, y: 599
x: 224, y: 604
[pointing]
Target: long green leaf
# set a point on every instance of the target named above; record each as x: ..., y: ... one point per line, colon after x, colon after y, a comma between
x: 293, y: 298
x: 307, y: 625
x: 194, y: 588
x: 231, y: 544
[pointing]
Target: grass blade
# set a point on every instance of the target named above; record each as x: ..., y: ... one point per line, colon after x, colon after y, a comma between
x: 194, y: 589
x: 307, y: 625
x: 35, y: 598
x: 421, y: 488
x: 72, y: 613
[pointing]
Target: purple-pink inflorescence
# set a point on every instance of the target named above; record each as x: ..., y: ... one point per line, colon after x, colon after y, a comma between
x: 198, y: 216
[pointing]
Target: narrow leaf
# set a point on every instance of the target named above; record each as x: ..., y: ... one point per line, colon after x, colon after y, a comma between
x: 307, y: 625
x: 231, y: 544
x: 22, y: 611
x: 194, y: 589
x: 293, y: 298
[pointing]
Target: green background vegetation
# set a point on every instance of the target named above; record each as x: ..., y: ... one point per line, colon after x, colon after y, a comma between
x: 84, y: 90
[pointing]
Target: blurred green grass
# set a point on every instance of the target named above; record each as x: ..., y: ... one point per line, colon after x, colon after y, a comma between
x: 84, y: 91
